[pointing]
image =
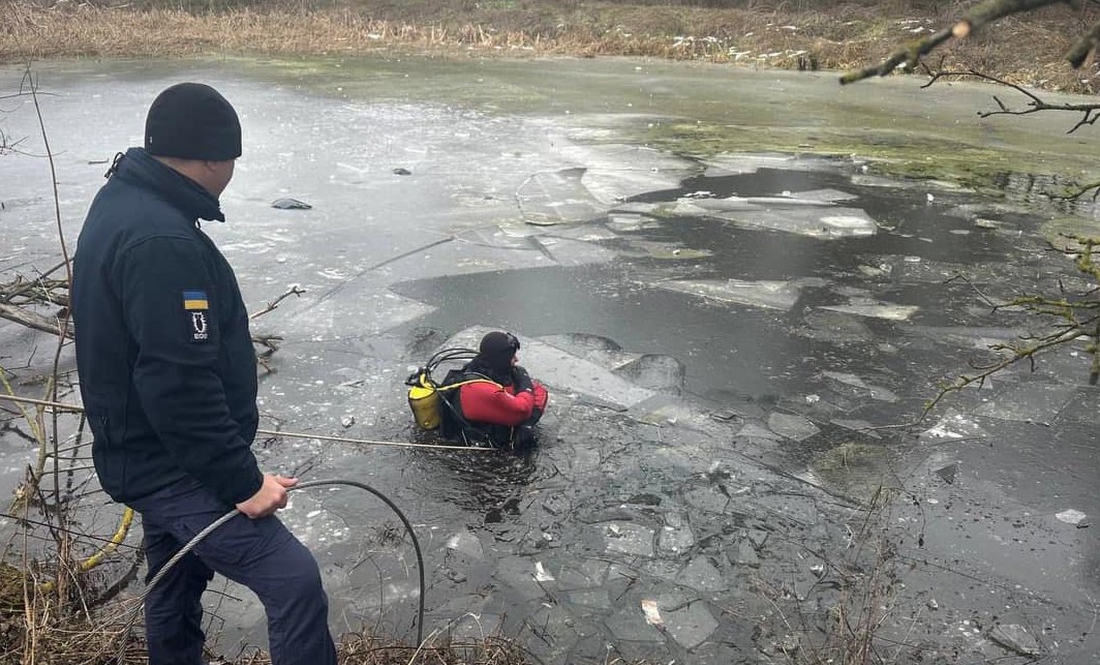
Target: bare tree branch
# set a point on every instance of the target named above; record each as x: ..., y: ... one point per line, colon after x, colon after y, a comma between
x: 294, y: 291
x: 30, y: 319
x: 1075, y: 194
x: 1075, y: 320
x: 984, y: 14
x: 1090, y: 111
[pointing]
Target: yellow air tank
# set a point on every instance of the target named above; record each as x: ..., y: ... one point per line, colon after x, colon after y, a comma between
x: 424, y: 402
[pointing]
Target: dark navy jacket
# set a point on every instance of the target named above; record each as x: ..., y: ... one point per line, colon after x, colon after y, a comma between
x: 166, y: 364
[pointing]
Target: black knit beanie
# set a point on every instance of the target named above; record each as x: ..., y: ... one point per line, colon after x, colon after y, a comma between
x: 193, y: 121
x: 498, y: 344
x: 497, y: 349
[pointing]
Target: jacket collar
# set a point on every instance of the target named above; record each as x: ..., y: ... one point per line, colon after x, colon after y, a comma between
x: 139, y: 168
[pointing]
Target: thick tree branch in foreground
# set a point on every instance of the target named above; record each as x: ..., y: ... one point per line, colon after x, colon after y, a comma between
x: 988, y: 12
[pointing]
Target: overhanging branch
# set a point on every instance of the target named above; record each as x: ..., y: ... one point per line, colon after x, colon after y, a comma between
x: 981, y: 16
x: 1090, y: 111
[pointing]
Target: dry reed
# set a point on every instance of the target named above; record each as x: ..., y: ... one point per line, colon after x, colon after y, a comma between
x: 1027, y: 50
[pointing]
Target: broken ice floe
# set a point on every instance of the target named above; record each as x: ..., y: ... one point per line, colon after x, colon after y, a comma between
x: 767, y: 294
x: 557, y: 197
x: 541, y: 575
x: 1015, y: 637
x: 872, y: 391
x: 953, y: 426
x: 612, y: 173
x: 691, y: 626
x: 1071, y: 516
x: 1027, y: 402
x: 675, y: 540
x: 652, y: 614
x: 628, y: 221
x: 628, y: 538
x: 655, y: 372
x: 791, y: 426
x: 702, y: 575
x: 467, y: 543
x: 617, y: 171
x: 886, y: 311
x: 813, y: 213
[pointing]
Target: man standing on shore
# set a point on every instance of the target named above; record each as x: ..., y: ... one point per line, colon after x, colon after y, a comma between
x: 168, y: 378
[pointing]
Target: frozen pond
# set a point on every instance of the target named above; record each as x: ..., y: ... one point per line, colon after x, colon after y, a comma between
x: 726, y: 337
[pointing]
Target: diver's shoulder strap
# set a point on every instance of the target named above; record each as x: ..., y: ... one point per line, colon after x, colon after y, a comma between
x: 466, y: 382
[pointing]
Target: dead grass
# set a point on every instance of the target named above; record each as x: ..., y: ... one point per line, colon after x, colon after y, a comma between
x: 1027, y: 50
x: 34, y: 628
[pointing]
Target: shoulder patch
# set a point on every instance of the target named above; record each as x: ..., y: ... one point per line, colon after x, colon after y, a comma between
x: 195, y: 300
x: 196, y: 308
x: 199, y: 326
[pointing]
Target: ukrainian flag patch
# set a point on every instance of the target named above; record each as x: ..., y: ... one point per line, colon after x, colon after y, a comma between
x: 195, y: 300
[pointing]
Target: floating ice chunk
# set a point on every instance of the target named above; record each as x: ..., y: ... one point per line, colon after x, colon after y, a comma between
x: 691, y: 626
x: 611, y: 185
x: 1015, y: 637
x: 879, y: 311
x: 627, y: 538
x: 629, y: 221
x: 616, y: 171
x: 754, y: 431
x: 652, y: 614
x: 853, y: 222
x: 1028, y: 402
x: 467, y: 543
x: 804, y: 218
x: 724, y: 204
x: 875, y: 392
x: 787, y: 200
x: 953, y: 426
x: 655, y: 372
x: 675, y: 540
x: 702, y: 575
x: 540, y: 573
x: 824, y: 195
x: 1071, y: 516
x: 792, y: 426
x: 766, y: 294
x: 557, y: 197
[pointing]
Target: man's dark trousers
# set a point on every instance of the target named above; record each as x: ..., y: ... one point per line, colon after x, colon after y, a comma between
x: 260, y: 554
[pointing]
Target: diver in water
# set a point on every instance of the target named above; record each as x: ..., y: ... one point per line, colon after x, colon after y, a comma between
x: 496, y: 403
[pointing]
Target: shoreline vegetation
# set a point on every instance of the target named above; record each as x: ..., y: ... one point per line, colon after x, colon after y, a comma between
x: 1027, y: 49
